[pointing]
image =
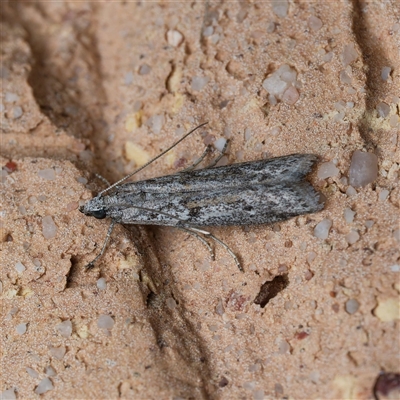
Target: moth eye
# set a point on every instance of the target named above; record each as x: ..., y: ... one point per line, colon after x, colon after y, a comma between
x: 99, y: 214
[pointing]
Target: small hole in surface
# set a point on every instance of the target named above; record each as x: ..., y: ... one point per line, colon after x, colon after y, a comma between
x: 72, y: 276
x: 270, y: 289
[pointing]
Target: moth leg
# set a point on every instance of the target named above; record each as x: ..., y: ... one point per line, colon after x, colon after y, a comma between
x: 220, y: 155
x: 228, y: 250
x: 211, y: 236
x: 198, y: 161
x: 98, y: 176
x: 202, y: 240
x: 203, y: 156
x: 110, y: 229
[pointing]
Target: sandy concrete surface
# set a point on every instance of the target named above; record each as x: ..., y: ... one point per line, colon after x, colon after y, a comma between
x: 90, y: 87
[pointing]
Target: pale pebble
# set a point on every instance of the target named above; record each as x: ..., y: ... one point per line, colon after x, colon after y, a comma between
x: 105, y: 322
x: 369, y: 223
x: 11, y: 97
x: 291, y: 96
x: 144, y: 69
x: 311, y: 257
x: 208, y: 31
x: 21, y: 329
x: 199, y: 82
x: 20, y: 267
x: 271, y: 27
x: 328, y: 57
x: 8, y: 394
x: 155, y: 123
x: 350, y: 191
x: 363, y: 168
x: 44, y: 386
x: 48, y: 174
x: 352, y: 306
x: 383, y: 109
x: 49, y: 228
x: 17, y: 112
x: 219, y: 144
x: 128, y: 78
x: 327, y: 170
x: 248, y: 134
x: 321, y: 231
x: 394, y: 121
x: 171, y: 303
x: 383, y: 194
x: 58, y: 352
x: 352, y: 237
x: 280, y: 8
x: 340, y: 105
x: 101, y: 284
x: 349, y: 54
x: 174, y: 38
x: 344, y: 77
x: 65, y: 328
x: 31, y: 372
x: 385, y: 73
x: 50, y: 371
x: 349, y: 215
x: 314, y: 23
x: 275, y: 86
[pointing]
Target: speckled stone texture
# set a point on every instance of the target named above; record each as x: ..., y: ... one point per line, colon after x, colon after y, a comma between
x: 91, y: 87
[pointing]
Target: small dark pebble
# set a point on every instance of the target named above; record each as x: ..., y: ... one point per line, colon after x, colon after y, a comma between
x: 10, y: 167
x: 301, y: 335
x: 335, y: 307
x: 223, y: 104
x: 223, y: 382
x: 386, y: 383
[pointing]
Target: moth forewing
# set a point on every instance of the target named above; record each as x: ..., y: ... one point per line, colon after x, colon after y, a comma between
x: 292, y: 168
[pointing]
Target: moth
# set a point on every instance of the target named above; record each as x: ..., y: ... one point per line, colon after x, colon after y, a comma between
x: 248, y: 193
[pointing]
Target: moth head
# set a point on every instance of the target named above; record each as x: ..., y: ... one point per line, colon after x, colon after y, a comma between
x: 94, y: 208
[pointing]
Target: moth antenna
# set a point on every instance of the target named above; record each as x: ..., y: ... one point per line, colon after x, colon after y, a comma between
x: 154, y: 159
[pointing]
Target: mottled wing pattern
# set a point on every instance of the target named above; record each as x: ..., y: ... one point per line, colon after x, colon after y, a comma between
x: 292, y: 168
x: 257, y: 192
x: 249, y: 205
